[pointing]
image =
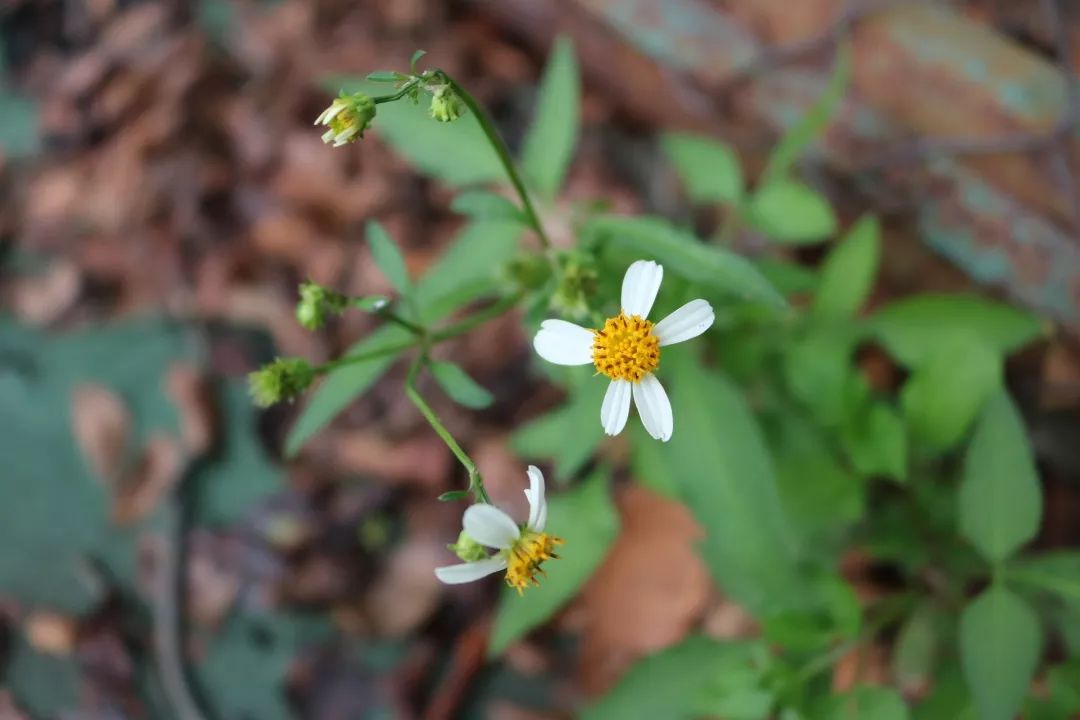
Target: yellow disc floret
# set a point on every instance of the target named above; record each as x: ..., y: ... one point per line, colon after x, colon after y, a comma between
x: 626, y: 349
x: 524, y: 558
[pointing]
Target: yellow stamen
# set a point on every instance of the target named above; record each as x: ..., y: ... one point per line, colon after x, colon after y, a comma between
x: 626, y: 349
x: 526, y: 556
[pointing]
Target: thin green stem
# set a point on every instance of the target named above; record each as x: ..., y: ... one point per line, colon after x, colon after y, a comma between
x: 504, y: 156
x: 364, y: 356
x: 463, y: 326
x: 400, y: 93
x: 393, y: 317
x: 476, y: 483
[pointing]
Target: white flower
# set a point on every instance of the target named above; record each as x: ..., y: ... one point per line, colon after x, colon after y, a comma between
x: 627, y: 350
x: 347, y: 118
x: 521, y: 549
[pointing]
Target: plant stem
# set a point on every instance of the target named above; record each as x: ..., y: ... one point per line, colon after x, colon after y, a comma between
x: 397, y: 319
x: 364, y: 356
x: 504, y: 156
x: 463, y: 326
x: 476, y: 484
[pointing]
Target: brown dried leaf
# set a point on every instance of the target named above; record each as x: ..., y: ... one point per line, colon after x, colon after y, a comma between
x: 194, y: 401
x: 407, y: 592
x: 421, y: 460
x: 102, y: 424
x: 649, y: 592
x: 51, y: 633
x: 159, y: 470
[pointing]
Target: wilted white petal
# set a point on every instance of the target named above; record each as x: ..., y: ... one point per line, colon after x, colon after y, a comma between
x: 488, y: 525
x: 330, y: 113
x: 537, y: 501
x: 639, y: 287
x: 654, y: 407
x: 328, y: 136
x: 689, y: 321
x: 616, y: 407
x: 467, y: 572
x: 564, y: 343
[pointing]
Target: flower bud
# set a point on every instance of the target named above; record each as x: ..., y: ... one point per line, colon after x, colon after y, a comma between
x: 577, y: 285
x: 468, y: 549
x: 283, y: 379
x: 347, y: 118
x: 446, y: 106
x: 316, y: 302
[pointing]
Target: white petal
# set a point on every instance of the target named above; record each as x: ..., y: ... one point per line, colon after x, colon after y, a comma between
x: 537, y: 501
x: 616, y: 407
x: 488, y: 525
x: 564, y: 343
x: 654, y: 407
x: 689, y: 321
x: 467, y: 572
x: 639, y: 287
x: 330, y: 113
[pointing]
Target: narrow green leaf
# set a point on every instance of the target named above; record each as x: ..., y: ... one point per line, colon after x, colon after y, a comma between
x: 344, y: 385
x: 371, y: 303
x: 799, y: 136
x: 915, y: 327
x: 917, y: 646
x: 550, y: 141
x: 457, y: 153
x: 788, y: 277
x: 817, y: 367
x: 388, y: 257
x: 454, y: 495
x: 673, y: 683
x: 1000, y: 646
x: 1000, y: 501
x: 682, y: 253
x: 709, y: 169
x: 417, y: 54
x: 459, y: 386
x: 1056, y: 572
x: 586, y: 519
x: 647, y: 463
x: 486, y: 205
x: 569, y: 434
x: 384, y: 76
x: 847, y: 275
x: 791, y: 213
x: 947, y: 390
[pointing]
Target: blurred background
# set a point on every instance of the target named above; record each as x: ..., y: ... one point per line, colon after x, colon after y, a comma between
x: 164, y: 192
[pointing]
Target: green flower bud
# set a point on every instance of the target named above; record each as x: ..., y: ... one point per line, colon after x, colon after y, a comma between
x: 527, y: 271
x: 577, y: 286
x: 316, y: 302
x: 446, y: 106
x: 347, y: 117
x: 283, y: 379
x: 468, y: 549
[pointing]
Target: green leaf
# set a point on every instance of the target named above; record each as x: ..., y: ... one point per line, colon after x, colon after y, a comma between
x: 788, y: 277
x: 827, y: 611
x: 948, y: 698
x: 417, y: 54
x: 675, y: 683
x: 864, y: 702
x: 485, y: 205
x: 569, y: 434
x: 388, y: 257
x: 345, y: 385
x: 383, y: 76
x: 875, y: 440
x: 709, y: 169
x: 1000, y: 501
x: 469, y: 269
x: 847, y: 275
x: 19, y: 130
x: 791, y: 213
x: 801, y: 134
x: 817, y: 368
x: 457, y: 153
x: 647, y: 463
x: 719, y: 460
x: 459, y: 386
x: 913, y: 328
x: 1063, y: 696
x: 371, y: 303
x: 917, y: 646
x: 682, y: 253
x: 550, y: 141
x: 1056, y: 572
x: 947, y: 390
x: 454, y: 495
x: 586, y: 519
x: 1000, y: 646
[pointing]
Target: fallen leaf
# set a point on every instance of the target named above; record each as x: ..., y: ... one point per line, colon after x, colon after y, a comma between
x: 407, y: 592
x: 102, y: 424
x: 51, y: 633
x: 650, y: 591
x: 422, y: 460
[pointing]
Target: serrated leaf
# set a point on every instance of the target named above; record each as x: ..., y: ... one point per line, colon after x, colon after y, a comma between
x: 791, y: 213
x: 586, y: 519
x: 913, y: 328
x: 388, y: 257
x: 459, y: 386
x: 345, y: 385
x: 1056, y: 572
x: 948, y: 389
x: 485, y: 205
x: 457, y: 153
x: 674, y: 683
x: 709, y: 170
x: 847, y: 276
x: 549, y: 143
x: 1000, y: 500
x: 569, y: 434
x: 682, y: 253
x: 1000, y: 646
x: 799, y: 136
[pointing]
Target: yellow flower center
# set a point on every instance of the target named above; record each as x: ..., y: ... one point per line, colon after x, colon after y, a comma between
x: 626, y: 349
x: 343, y: 121
x: 524, y: 559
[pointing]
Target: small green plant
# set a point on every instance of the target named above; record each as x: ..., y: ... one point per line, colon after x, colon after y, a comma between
x: 784, y: 450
